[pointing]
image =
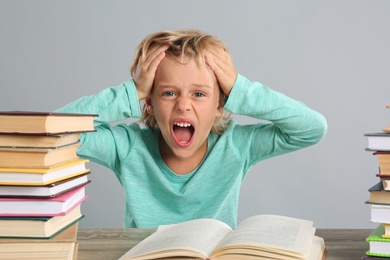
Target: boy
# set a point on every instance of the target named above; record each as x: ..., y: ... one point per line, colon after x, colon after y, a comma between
x: 190, y: 160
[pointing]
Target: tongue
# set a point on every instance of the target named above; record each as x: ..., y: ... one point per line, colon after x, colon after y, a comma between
x: 183, y: 134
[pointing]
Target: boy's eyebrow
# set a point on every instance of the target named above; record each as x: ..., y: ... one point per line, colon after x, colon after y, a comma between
x: 203, y: 86
x: 163, y: 86
x: 169, y: 85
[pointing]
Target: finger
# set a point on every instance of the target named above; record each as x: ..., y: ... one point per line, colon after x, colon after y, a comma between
x: 222, y: 66
x: 217, y: 64
x: 155, y: 52
x: 218, y: 59
x: 156, y: 61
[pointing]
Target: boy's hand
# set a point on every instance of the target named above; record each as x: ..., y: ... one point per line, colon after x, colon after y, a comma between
x: 146, y: 70
x: 221, y: 63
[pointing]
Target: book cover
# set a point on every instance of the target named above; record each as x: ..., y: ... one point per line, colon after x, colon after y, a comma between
x: 47, y: 191
x: 37, y: 141
x: 31, y: 122
x: 60, y: 205
x: 384, y: 176
x: 38, y: 228
x: 379, y: 213
x: 60, y: 250
x: 387, y: 129
x: 42, y: 176
x: 68, y: 233
x: 386, y: 233
x: 37, y: 158
x: 378, y: 195
x: 367, y: 257
x: 384, y: 162
x: 379, y: 246
x: 378, y: 141
x: 385, y: 182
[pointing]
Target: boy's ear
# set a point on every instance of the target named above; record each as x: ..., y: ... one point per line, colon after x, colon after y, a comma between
x: 219, y: 110
x: 149, y: 106
x: 221, y: 103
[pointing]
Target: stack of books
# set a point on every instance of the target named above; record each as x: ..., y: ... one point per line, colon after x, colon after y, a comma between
x: 42, y: 184
x: 379, y: 198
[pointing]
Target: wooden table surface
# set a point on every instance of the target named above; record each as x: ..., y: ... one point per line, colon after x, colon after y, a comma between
x: 110, y: 244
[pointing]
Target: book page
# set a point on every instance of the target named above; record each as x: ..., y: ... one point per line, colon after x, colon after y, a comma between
x: 317, y: 248
x: 201, y: 235
x: 274, y: 231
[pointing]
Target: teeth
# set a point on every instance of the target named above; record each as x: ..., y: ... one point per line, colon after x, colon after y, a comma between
x: 183, y: 124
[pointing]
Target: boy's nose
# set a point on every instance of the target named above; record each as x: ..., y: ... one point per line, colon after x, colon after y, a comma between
x: 183, y: 104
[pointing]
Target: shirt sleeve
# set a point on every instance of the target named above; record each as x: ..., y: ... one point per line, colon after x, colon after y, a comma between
x: 109, y: 143
x: 287, y: 124
x: 111, y: 104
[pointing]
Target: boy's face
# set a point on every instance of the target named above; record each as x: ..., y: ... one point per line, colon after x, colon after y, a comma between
x: 185, y: 102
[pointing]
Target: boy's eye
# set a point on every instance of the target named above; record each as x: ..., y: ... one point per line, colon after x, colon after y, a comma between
x: 199, y: 94
x: 168, y: 94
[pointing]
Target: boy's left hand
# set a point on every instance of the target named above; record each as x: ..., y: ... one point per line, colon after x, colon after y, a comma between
x: 221, y: 64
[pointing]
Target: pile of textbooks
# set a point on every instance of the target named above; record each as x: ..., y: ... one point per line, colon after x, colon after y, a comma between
x: 42, y: 184
x: 379, y: 196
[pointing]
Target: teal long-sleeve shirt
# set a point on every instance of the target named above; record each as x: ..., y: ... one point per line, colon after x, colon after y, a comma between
x: 154, y: 194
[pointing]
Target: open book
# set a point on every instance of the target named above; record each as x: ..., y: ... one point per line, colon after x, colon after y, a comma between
x: 258, y: 237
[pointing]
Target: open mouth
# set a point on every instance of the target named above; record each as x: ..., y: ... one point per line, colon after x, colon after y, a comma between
x: 183, y: 132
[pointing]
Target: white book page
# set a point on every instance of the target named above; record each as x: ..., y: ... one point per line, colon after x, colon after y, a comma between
x: 201, y: 235
x: 317, y: 248
x: 274, y: 231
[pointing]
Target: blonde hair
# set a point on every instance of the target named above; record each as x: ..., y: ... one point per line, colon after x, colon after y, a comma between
x: 183, y: 43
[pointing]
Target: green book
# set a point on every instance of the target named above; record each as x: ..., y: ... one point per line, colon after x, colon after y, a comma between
x: 379, y: 246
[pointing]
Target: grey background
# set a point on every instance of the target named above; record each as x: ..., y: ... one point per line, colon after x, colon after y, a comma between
x: 332, y: 55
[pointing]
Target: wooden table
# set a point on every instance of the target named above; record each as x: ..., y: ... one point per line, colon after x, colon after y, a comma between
x: 110, y: 244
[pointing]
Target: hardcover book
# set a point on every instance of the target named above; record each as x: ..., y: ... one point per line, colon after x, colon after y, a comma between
x: 378, y: 195
x: 378, y: 141
x: 46, y: 191
x: 387, y: 129
x: 368, y: 257
x: 380, y: 213
x: 42, y: 176
x: 38, y: 227
x: 60, y: 205
x: 66, y: 234
x: 37, y: 141
x: 59, y: 250
x: 30, y: 122
x: 379, y: 246
x: 384, y: 162
x: 37, y: 158
x: 62, y: 246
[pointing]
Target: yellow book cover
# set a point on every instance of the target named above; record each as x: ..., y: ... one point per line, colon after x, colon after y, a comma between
x: 42, y: 176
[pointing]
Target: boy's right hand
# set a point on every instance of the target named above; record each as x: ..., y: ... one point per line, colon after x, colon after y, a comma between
x: 146, y: 70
